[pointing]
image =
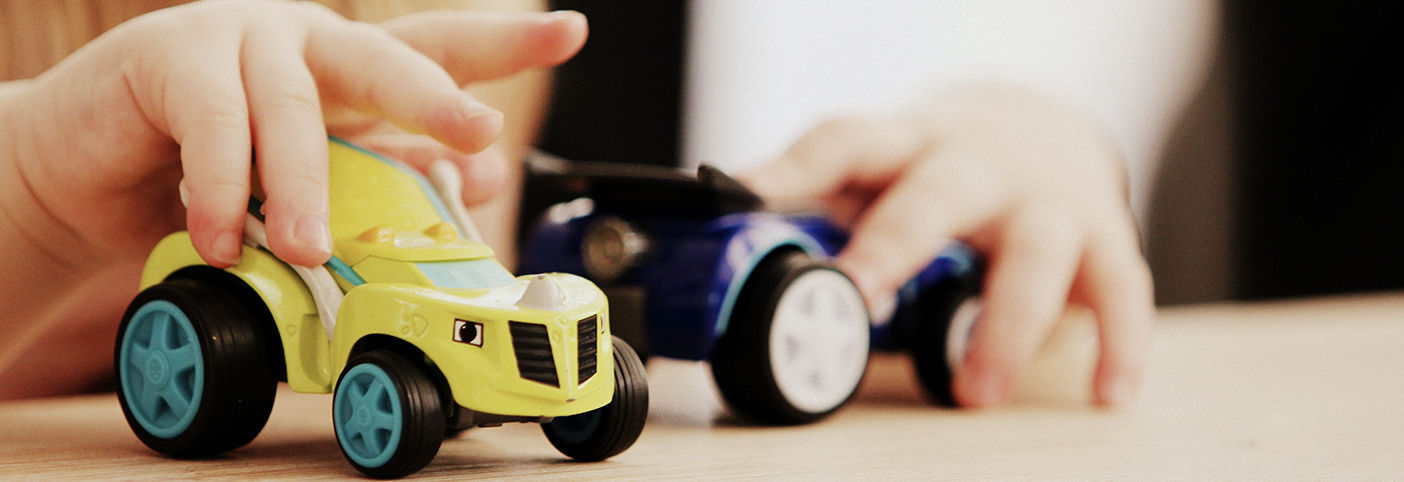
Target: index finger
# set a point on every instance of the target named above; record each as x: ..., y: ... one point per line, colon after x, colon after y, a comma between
x: 941, y: 196
x: 475, y: 46
x: 363, y: 67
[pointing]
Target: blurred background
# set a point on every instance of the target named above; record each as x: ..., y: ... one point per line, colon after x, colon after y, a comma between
x: 1262, y: 137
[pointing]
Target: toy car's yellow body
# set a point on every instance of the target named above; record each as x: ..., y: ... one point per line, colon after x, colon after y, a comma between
x: 402, y: 281
x: 399, y: 300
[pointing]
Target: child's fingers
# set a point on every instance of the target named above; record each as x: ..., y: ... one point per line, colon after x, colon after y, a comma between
x: 836, y: 153
x: 937, y: 198
x: 290, y: 143
x: 364, y: 67
x: 475, y: 46
x: 204, y: 106
x: 844, y: 152
x: 1118, y: 283
x: 1031, y: 271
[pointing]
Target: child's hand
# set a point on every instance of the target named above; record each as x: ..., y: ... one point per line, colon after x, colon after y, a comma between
x: 1030, y: 183
x: 101, y: 139
x: 92, y: 150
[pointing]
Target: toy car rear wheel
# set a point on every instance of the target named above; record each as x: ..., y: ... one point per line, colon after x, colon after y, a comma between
x: 609, y: 430
x: 797, y: 344
x: 948, y: 314
x: 388, y: 415
x: 195, y: 366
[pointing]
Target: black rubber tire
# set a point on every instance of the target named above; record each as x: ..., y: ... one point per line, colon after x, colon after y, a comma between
x: 422, y: 418
x: 938, y: 307
x: 609, y: 430
x: 741, y: 362
x: 240, y: 354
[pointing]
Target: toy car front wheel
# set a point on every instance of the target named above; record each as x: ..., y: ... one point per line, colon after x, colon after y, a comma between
x: 948, y: 314
x: 388, y: 415
x: 194, y: 366
x: 609, y: 430
x: 797, y: 344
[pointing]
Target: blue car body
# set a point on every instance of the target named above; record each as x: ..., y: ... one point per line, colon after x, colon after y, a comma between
x: 698, y: 265
x: 684, y: 247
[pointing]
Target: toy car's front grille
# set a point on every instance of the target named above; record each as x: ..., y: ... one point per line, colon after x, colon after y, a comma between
x: 532, y: 345
x: 588, y: 331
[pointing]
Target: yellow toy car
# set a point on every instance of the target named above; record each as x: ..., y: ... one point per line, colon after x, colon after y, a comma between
x: 428, y: 333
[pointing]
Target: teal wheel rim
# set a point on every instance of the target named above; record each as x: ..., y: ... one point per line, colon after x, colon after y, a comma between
x: 162, y: 371
x: 577, y: 428
x: 368, y: 415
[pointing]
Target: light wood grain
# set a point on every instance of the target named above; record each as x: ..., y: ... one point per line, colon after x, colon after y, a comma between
x: 1306, y: 390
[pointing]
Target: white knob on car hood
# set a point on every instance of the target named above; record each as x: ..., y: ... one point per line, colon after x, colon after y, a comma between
x: 542, y: 293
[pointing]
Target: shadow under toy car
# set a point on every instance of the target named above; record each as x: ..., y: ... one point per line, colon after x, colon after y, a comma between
x: 427, y: 332
x: 695, y: 270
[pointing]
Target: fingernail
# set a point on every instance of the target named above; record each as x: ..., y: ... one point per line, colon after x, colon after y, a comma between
x: 478, y: 125
x: 312, y: 230
x: 560, y: 14
x: 1118, y: 391
x: 227, y: 248
x: 471, y: 108
x: 976, y: 390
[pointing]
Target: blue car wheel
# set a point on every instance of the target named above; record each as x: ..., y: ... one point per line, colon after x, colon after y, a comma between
x: 797, y: 345
x: 947, y: 313
x: 195, y: 367
x: 388, y: 415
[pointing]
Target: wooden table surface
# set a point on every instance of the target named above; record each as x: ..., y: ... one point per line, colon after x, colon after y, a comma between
x: 1310, y: 390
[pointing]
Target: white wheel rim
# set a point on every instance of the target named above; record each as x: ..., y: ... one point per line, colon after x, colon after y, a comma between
x: 819, y: 340
x: 958, y: 337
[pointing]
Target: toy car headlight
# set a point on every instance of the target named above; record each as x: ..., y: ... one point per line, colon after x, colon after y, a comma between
x: 610, y: 247
x: 469, y: 332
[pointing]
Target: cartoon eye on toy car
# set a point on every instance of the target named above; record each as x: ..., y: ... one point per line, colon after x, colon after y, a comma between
x: 696, y: 271
x: 416, y: 330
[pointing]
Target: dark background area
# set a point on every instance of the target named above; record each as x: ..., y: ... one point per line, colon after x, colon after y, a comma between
x: 1319, y: 140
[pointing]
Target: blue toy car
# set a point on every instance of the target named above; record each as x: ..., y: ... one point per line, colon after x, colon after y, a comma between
x: 695, y: 269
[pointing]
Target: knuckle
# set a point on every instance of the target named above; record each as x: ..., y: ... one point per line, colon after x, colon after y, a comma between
x: 973, y: 184
x: 1044, y: 230
x: 219, y: 199
x: 298, y: 183
x: 221, y: 117
x: 289, y: 99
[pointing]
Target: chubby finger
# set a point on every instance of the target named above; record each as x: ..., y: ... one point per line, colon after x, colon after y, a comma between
x: 484, y: 173
x: 474, y: 46
x: 290, y: 142
x: 363, y: 67
x: 206, y: 111
x: 1117, y: 282
x: 939, y: 197
x: 838, y: 153
x: 1031, y: 270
